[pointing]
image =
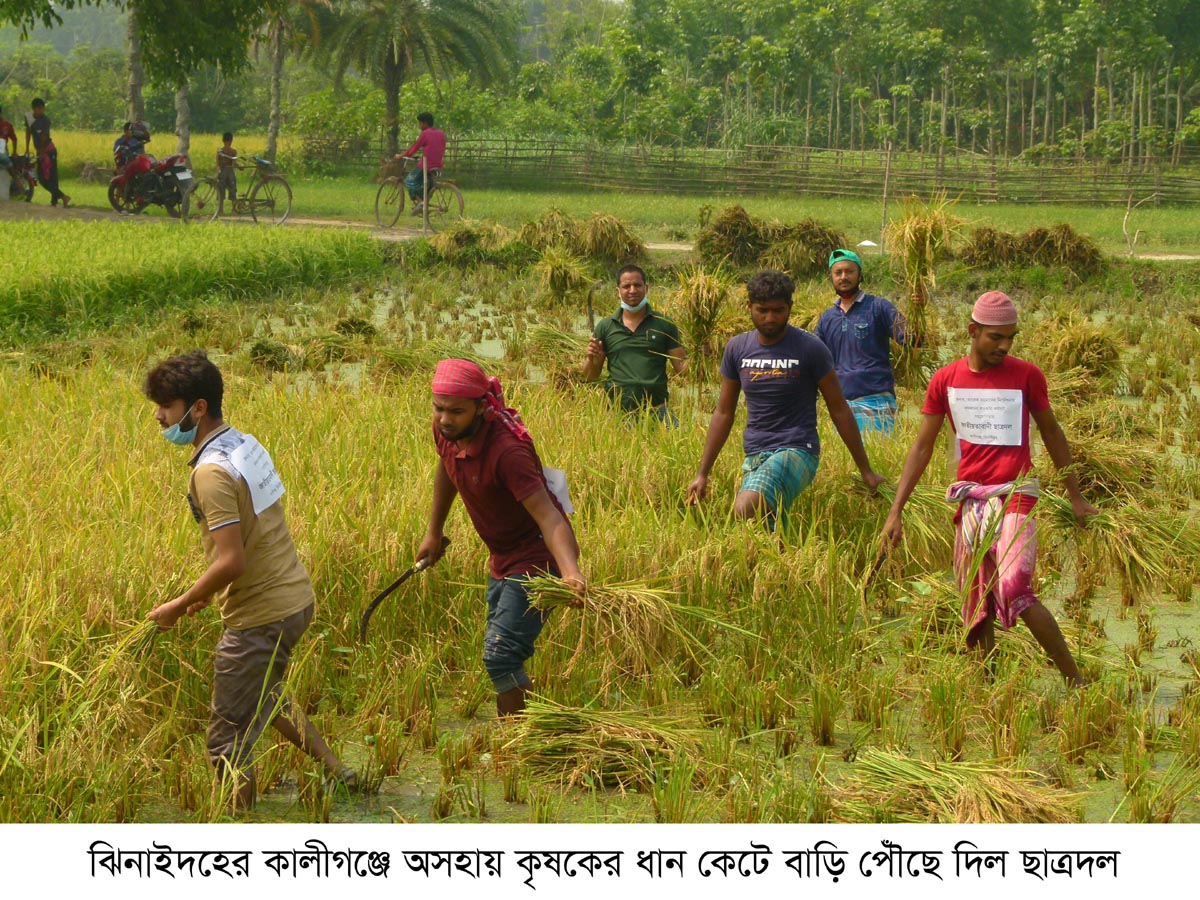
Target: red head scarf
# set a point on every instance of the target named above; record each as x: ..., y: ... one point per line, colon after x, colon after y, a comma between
x: 463, y: 378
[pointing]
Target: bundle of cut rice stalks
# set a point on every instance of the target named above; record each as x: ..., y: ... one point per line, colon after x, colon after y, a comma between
x: 630, y: 628
x: 1146, y: 548
x: 889, y: 787
x: 597, y: 748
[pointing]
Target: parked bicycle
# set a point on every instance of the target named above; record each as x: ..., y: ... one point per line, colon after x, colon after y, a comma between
x: 268, y: 200
x: 445, y: 199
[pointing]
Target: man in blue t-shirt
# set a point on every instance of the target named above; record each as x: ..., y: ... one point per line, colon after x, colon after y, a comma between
x: 780, y: 369
x: 858, y: 330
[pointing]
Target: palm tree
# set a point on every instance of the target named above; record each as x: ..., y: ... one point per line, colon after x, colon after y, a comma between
x: 387, y: 39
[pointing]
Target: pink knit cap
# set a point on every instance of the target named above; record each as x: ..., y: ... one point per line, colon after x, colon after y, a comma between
x: 994, y: 308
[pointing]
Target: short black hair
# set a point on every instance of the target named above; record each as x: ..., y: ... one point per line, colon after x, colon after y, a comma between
x: 632, y: 268
x: 188, y: 377
x: 425, y: 118
x: 38, y: 101
x: 768, y: 285
x: 227, y: 136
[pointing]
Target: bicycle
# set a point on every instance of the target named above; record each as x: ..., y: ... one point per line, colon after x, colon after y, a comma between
x: 269, y: 198
x: 445, y: 199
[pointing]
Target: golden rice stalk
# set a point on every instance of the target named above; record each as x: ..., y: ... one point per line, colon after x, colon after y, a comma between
x: 597, y: 748
x: 627, y: 629
x: 1142, y: 546
x: 733, y: 236
x: 561, y: 273
x: 889, y: 786
x: 554, y: 228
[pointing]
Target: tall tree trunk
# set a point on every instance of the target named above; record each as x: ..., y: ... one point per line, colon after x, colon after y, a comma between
x: 276, y: 91
x: 808, y: 114
x: 183, y: 119
x: 135, y: 106
x: 1096, y: 93
x: 391, y: 99
x: 1007, y: 109
x: 1047, y: 131
x: 1033, y: 107
x: 1176, y: 155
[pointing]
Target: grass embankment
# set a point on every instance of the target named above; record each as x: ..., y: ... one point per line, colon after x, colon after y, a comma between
x: 82, y: 276
x: 350, y: 197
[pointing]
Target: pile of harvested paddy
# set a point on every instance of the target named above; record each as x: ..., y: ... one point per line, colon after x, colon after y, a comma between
x: 599, y: 238
x: 1059, y: 245
x: 801, y: 250
x: 598, y: 748
x: 890, y: 787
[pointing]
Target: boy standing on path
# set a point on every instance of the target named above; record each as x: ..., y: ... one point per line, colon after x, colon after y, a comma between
x: 637, y: 342
x: 227, y: 169
x: 38, y: 130
x: 990, y: 397
x: 487, y: 457
x: 781, y: 369
x: 858, y: 330
x: 266, y: 598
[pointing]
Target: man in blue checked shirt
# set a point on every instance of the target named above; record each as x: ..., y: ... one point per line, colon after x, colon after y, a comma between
x: 858, y: 330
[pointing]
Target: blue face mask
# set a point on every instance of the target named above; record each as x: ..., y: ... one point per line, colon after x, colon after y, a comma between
x: 176, y: 435
x: 625, y: 306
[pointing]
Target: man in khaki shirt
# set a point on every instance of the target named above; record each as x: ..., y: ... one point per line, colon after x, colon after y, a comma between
x: 262, y: 589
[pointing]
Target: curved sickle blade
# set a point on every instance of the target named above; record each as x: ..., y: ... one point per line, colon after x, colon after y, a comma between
x: 419, y: 566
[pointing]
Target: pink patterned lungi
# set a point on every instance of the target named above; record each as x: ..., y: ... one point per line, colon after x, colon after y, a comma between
x: 995, y: 549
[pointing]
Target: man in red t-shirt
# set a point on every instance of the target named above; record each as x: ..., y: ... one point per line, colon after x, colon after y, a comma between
x: 487, y: 458
x: 989, y: 397
x: 431, y: 144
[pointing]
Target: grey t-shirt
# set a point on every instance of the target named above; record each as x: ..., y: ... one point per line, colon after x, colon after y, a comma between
x: 780, y: 384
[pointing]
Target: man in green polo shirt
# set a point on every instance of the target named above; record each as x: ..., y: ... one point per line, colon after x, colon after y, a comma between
x: 637, y: 342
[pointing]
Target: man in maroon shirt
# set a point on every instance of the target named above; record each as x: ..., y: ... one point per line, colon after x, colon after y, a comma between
x: 488, y: 458
x: 431, y: 144
x: 990, y: 397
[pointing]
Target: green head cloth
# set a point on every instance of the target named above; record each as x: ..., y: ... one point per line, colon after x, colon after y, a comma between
x: 839, y: 255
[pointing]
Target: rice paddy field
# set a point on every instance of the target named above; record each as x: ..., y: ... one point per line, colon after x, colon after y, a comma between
x: 717, y: 673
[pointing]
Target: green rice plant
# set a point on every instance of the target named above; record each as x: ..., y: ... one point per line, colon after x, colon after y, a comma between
x: 595, y: 748
x: 1073, y: 342
x: 1088, y: 720
x: 1159, y: 798
x: 826, y: 704
x: 671, y: 791
x: 888, y: 786
x: 948, y: 702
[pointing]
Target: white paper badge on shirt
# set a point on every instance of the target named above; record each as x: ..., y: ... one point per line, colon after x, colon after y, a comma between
x: 988, y: 416
x: 253, y: 462
x: 556, y: 481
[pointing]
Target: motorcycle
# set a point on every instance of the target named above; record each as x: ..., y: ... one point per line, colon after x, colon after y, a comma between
x: 22, y: 178
x: 144, y: 180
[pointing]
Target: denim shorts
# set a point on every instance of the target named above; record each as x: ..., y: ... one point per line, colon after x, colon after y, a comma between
x: 512, y: 628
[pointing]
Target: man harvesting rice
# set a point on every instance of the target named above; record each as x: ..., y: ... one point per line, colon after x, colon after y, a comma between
x: 487, y: 457
x: 266, y: 598
x: 990, y: 397
x: 781, y: 369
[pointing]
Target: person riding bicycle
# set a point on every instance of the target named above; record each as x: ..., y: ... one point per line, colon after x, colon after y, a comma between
x: 431, y: 143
